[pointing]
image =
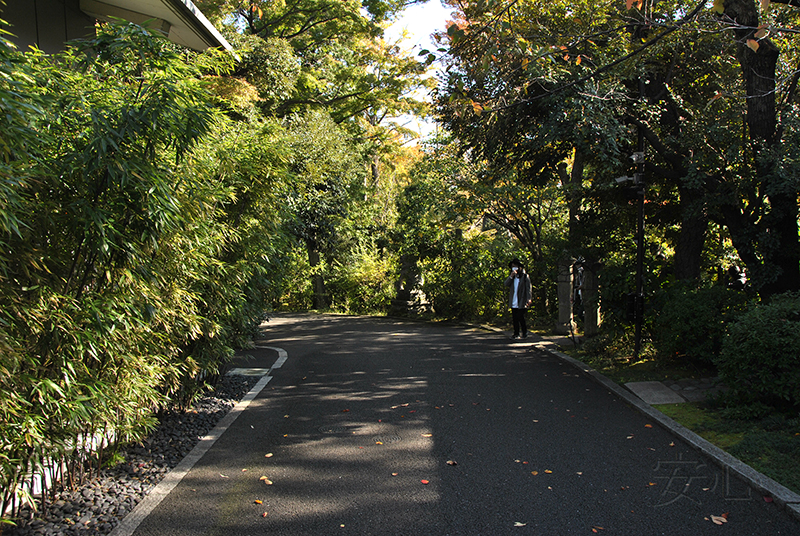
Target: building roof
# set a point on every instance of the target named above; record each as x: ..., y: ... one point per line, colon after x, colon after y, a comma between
x: 180, y: 20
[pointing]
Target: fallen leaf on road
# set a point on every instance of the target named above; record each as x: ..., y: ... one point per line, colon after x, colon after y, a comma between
x: 597, y: 529
x: 427, y: 435
x: 768, y: 499
x: 518, y: 524
x: 266, y: 480
x: 395, y: 474
x: 630, y: 436
x: 425, y: 481
x: 653, y: 484
x: 264, y: 514
x: 452, y: 462
x: 379, y: 442
x: 648, y: 425
x: 548, y: 471
x: 268, y: 455
x: 244, y: 470
x: 257, y: 501
x: 224, y: 476
x: 534, y: 473
x: 672, y: 444
x: 345, y: 411
x: 718, y: 520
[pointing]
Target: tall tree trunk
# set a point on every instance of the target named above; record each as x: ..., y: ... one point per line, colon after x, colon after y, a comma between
x: 692, y: 237
x: 779, y: 270
x: 320, y: 300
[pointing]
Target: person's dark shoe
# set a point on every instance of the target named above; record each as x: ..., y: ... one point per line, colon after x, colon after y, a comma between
x: 524, y: 335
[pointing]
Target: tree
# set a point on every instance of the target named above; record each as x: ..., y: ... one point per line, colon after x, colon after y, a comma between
x: 325, y: 171
x: 522, y: 65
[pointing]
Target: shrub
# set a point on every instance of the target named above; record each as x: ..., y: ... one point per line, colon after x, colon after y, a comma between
x: 692, y: 322
x: 760, y: 359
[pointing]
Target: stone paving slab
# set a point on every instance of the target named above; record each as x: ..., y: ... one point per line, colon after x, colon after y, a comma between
x: 655, y: 393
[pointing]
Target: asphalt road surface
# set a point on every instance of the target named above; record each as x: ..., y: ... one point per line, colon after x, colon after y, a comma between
x: 381, y: 426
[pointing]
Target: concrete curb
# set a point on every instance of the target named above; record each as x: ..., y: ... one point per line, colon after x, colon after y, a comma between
x: 783, y: 497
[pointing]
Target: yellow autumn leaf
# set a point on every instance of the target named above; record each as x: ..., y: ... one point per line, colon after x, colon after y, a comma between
x: 257, y: 501
x: 578, y: 60
x: 753, y: 45
x: 718, y: 7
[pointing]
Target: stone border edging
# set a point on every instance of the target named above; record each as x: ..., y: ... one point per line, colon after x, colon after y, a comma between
x: 784, y: 497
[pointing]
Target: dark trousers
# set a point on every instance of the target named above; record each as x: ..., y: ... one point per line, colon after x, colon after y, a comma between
x: 518, y: 317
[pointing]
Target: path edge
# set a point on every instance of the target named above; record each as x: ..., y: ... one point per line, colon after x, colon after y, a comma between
x: 780, y: 494
x: 131, y: 522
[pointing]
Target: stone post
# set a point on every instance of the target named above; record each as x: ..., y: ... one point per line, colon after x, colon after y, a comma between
x: 410, y: 299
x: 565, y: 324
x: 591, y: 301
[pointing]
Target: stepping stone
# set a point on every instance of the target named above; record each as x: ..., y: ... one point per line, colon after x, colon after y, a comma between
x: 248, y: 372
x: 655, y: 393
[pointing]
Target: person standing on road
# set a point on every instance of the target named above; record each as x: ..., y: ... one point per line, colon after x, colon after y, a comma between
x: 519, y: 297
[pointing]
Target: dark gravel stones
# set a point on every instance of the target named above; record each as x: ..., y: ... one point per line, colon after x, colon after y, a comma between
x: 100, y: 504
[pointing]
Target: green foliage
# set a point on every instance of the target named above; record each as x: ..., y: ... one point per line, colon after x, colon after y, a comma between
x: 760, y: 360
x: 464, y: 280
x: 692, y: 323
x: 140, y: 245
x: 362, y: 282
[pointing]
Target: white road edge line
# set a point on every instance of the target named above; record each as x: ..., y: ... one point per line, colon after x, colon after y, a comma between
x: 131, y: 522
x: 282, y: 355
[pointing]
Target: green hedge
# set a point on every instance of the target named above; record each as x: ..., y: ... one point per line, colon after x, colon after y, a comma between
x: 689, y: 322
x: 760, y: 358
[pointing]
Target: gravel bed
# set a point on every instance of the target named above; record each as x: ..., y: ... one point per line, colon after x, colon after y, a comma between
x: 99, y: 506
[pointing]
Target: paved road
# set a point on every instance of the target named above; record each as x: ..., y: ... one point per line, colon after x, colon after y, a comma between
x: 377, y: 426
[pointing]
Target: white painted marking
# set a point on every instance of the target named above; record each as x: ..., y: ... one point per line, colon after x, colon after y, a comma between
x: 131, y: 522
x: 282, y: 355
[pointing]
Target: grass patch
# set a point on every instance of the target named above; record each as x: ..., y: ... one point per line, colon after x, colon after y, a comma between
x: 706, y: 423
x: 770, y: 445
